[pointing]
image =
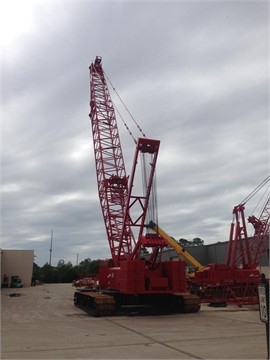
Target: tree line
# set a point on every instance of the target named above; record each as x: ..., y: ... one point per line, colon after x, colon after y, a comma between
x: 64, y: 272
x: 67, y: 273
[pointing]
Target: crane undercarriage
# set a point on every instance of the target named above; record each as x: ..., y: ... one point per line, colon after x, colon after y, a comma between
x: 106, y: 303
x: 135, y: 288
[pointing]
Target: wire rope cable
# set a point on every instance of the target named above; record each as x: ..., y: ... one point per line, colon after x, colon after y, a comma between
x: 254, y: 192
x: 119, y: 97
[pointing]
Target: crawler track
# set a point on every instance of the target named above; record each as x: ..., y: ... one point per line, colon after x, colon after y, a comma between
x: 100, y: 304
x: 191, y: 303
x: 95, y: 303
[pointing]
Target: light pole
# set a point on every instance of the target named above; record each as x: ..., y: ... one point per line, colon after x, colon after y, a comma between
x: 51, y: 249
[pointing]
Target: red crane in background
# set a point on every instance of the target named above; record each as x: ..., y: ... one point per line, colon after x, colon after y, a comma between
x: 237, y: 280
x: 245, y: 252
x: 136, y: 276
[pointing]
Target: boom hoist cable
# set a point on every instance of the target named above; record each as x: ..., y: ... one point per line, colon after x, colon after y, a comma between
x: 135, y: 122
x: 258, y: 188
x: 152, y: 212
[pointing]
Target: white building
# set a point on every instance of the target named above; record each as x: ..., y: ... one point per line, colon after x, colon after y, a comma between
x: 17, y: 263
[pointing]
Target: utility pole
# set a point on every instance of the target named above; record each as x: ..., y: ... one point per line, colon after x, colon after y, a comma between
x: 51, y: 249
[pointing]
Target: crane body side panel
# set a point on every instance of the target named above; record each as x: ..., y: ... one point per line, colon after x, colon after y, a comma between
x: 135, y: 277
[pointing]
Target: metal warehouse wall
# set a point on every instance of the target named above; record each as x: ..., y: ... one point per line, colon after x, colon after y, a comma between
x: 17, y: 263
x: 216, y: 253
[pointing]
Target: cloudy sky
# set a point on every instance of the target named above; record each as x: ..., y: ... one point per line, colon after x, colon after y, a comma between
x: 194, y: 74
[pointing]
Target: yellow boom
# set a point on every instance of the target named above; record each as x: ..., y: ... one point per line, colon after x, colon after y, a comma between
x: 177, y: 247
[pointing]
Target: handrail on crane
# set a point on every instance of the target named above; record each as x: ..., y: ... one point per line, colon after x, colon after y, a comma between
x: 176, y: 246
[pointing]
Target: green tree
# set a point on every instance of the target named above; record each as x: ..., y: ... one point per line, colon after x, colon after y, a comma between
x: 61, y: 262
x: 197, y: 241
x: 36, y: 272
x: 88, y: 266
x: 66, y: 273
x: 48, y: 274
x: 184, y: 242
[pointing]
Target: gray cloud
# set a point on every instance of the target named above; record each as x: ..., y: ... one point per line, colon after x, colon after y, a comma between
x: 194, y: 75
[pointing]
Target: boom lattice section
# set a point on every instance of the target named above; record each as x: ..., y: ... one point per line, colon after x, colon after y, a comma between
x: 110, y: 169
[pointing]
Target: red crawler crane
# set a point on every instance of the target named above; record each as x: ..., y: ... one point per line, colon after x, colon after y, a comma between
x: 130, y: 279
x: 245, y: 252
x: 237, y: 280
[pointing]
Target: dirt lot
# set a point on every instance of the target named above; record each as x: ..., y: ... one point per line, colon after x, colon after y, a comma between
x: 42, y: 323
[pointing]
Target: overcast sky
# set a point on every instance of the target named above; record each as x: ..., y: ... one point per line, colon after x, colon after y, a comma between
x: 194, y: 74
